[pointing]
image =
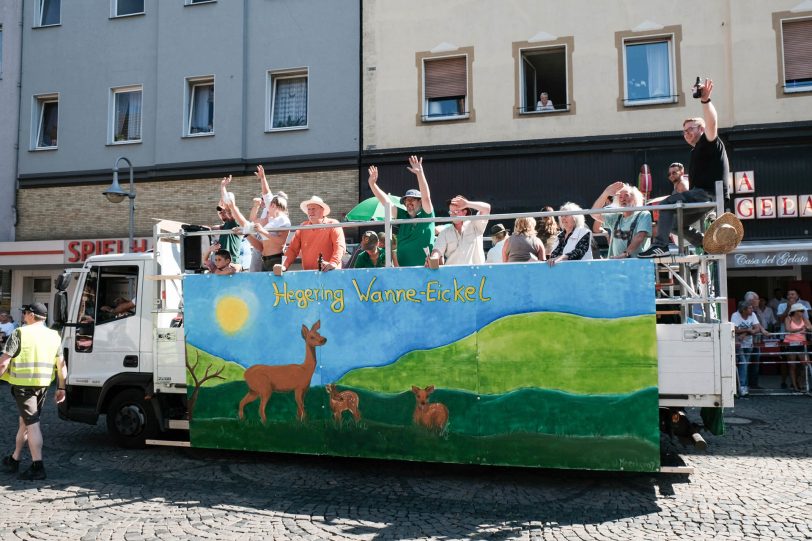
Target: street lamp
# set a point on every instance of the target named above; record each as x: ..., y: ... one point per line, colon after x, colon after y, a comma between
x: 115, y: 194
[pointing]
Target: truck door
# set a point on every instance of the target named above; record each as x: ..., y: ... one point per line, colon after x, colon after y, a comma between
x: 107, y: 338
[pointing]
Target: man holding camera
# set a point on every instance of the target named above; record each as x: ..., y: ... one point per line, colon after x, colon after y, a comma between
x: 708, y: 164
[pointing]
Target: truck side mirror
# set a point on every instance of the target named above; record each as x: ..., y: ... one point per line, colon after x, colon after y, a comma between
x: 62, y: 281
x: 60, y: 315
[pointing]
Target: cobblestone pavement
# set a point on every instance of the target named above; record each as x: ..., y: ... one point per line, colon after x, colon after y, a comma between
x: 753, y: 483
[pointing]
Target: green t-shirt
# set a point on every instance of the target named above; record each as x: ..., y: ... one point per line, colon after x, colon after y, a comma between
x: 231, y: 242
x: 412, y: 238
x: 620, y: 227
x: 363, y: 261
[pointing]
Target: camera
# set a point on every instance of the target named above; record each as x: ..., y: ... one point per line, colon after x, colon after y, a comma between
x: 697, y: 91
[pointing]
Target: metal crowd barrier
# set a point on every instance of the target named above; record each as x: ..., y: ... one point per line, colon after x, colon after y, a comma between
x: 774, y: 348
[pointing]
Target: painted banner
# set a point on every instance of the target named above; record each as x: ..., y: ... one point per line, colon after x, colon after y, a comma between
x: 514, y: 364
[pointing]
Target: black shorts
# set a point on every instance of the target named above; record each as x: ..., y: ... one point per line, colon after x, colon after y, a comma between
x: 29, y: 402
x: 268, y: 261
x: 795, y: 349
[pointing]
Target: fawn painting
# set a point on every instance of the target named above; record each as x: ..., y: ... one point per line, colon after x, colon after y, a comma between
x: 263, y: 380
x: 432, y: 416
x: 341, y: 401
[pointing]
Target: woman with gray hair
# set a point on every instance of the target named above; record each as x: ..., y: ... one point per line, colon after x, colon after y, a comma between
x: 574, y: 240
x: 746, y: 324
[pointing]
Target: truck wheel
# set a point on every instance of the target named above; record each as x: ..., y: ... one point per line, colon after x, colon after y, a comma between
x: 130, y: 420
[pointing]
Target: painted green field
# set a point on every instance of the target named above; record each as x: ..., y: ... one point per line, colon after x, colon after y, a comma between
x: 576, y: 393
x: 544, y: 350
x: 414, y: 443
x: 530, y: 427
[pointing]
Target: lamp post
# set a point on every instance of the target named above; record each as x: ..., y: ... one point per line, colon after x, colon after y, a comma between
x: 115, y: 194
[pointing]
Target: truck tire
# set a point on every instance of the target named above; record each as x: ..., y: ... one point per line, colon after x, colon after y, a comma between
x: 130, y: 420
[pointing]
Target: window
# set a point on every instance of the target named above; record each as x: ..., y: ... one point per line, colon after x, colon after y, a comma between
x: 796, y: 44
x: 648, y: 72
x: 543, y: 69
x: 49, y: 12
x: 200, y: 110
x: 445, y: 87
x: 46, y: 121
x: 193, y: 2
x: 123, y: 8
x: 126, y: 115
x: 288, y: 100
x: 109, y: 296
x: 649, y: 67
x: 444, y: 84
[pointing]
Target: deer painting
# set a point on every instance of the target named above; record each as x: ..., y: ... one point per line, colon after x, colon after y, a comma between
x: 341, y: 401
x: 432, y: 416
x: 263, y: 380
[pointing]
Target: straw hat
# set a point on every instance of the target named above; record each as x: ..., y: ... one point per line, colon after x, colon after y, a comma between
x: 315, y: 200
x: 797, y: 307
x: 723, y: 235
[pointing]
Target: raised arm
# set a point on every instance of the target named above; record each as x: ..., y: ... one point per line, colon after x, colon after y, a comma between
x: 224, y: 197
x: 252, y: 216
x: 235, y: 212
x: 603, y: 199
x: 260, y: 174
x: 709, y: 111
x: 377, y: 191
x: 416, y: 168
x: 480, y: 206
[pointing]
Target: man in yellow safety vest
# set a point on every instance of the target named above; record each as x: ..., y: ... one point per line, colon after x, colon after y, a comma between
x: 30, y: 358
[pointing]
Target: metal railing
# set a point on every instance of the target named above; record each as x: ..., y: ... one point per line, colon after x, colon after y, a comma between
x: 682, y: 261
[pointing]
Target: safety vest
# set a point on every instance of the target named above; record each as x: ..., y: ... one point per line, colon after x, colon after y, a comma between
x: 36, y: 363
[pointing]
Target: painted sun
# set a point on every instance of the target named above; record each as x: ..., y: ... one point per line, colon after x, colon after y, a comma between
x: 232, y: 313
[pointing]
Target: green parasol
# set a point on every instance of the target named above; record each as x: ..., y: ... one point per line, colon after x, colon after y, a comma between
x: 371, y: 209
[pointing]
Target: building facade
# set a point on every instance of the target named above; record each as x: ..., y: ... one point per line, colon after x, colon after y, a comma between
x: 189, y: 91
x: 10, y: 49
x: 524, y: 104
x: 466, y: 94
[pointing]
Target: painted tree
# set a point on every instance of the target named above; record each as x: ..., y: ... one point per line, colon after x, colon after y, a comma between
x: 199, y: 381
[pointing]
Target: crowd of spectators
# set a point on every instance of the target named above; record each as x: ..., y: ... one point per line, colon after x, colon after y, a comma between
x: 784, y: 322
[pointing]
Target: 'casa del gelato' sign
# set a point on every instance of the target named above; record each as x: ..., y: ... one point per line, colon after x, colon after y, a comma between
x: 787, y: 258
x: 767, y: 207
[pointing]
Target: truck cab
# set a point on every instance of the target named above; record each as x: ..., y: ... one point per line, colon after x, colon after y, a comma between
x: 109, y: 337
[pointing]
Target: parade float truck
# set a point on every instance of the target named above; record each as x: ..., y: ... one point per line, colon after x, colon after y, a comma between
x: 508, y: 364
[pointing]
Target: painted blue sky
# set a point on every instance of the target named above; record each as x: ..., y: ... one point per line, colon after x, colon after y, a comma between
x: 366, y: 333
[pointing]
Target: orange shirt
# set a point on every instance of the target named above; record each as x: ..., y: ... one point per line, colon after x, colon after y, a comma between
x: 312, y: 242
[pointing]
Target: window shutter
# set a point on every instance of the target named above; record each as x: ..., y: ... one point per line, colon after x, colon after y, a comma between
x: 446, y: 77
x: 797, y: 49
